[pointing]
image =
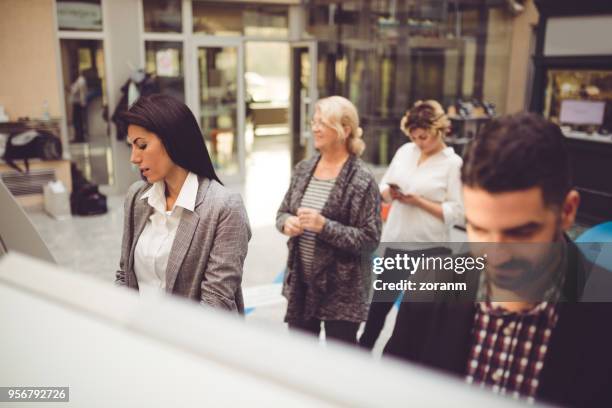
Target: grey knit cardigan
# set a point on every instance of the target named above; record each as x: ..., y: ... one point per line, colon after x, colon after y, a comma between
x: 339, y: 286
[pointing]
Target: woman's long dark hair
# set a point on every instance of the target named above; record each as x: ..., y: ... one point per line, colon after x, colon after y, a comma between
x: 172, y: 121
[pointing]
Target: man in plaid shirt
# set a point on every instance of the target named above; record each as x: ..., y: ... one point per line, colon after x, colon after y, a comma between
x: 556, y: 348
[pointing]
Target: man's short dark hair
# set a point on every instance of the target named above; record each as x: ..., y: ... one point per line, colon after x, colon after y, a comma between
x: 518, y: 152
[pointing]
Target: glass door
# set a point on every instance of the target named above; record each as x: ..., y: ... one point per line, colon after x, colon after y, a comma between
x: 86, y: 102
x: 304, y: 94
x: 220, y: 104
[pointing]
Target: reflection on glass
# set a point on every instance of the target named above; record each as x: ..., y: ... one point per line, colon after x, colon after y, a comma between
x: 267, y: 82
x: 267, y: 91
x: 301, y: 93
x: 385, y: 56
x: 79, y: 15
x: 87, y: 108
x: 240, y: 19
x: 164, y: 60
x: 266, y: 21
x: 218, y: 72
x: 579, y: 85
x: 162, y: 16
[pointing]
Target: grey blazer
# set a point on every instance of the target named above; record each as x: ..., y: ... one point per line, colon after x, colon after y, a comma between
x: 209, y: 248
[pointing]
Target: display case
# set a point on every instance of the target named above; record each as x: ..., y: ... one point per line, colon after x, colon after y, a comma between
x: 573, y: 88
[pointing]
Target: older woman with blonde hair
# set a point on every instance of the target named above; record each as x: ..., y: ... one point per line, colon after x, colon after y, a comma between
x: 331, y: 215
x: 423, y: 187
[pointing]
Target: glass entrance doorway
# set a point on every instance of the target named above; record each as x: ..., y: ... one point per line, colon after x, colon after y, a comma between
x: 86, y: 103
x: 220, y: 103
x: 267, y: 95
x: 240, y: 101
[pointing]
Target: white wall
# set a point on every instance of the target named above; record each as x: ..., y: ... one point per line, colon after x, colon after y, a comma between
x: 28, y: 72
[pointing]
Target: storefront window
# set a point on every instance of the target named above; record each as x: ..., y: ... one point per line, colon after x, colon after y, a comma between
x: 164, y: 61
x: 385, y: 56
x: 240, y: 19
x: 162, y: 16
x: 580, y: 99
x: 79, y: 15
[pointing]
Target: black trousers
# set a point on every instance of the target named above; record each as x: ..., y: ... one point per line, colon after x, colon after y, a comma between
x: 334, y: 329
x: 79, y: 122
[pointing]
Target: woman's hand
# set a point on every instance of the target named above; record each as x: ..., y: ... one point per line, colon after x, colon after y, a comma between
x: 292, y: 227
x: 410, y: 199
x: 311, y: 220
x: 389, y: 194
x: 431, y: 207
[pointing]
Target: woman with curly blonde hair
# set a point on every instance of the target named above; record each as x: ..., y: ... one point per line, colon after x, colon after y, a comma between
x: 330, y: 214
x: 422, y: 182
x: 423, y: 187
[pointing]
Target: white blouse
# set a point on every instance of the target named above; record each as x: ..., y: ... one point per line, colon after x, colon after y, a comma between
x: 437, y: 179
x: 155, y: 242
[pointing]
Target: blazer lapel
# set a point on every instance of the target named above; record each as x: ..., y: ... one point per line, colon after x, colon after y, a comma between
x: 448, y: 346
x: 334, y: 201
x: 142, y: 212
x: 182, y: 242
x: 184, y: 236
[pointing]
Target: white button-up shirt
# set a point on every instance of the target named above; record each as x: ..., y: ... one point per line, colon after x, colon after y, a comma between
x: 155, y: 242
x: 436, y: 179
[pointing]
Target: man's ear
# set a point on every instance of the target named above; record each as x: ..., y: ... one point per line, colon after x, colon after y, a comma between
x: 569, y: 209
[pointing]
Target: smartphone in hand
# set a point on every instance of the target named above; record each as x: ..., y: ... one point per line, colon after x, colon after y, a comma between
x: 395, y: 187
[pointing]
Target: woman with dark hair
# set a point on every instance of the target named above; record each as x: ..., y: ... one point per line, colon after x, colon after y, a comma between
x: 184, y: 233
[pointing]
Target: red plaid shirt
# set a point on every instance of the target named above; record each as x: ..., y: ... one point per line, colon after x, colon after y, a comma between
x: 508, y: 348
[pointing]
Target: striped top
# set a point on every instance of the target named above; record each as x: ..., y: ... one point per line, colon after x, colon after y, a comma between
x: 315, y: 197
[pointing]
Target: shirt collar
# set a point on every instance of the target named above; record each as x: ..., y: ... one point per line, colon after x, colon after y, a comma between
x: 494, y: 310
x: 156, y: 196
x: 186, y: 199
x: 447, y: 151
x: 189, y: 191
